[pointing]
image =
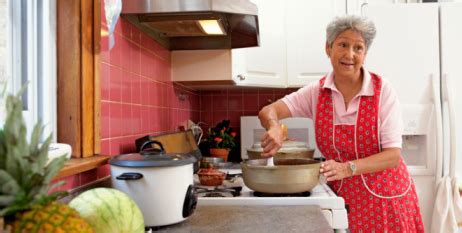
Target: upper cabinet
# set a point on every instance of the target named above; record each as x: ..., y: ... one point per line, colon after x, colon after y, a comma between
x: 291, y: 52
x: 306, y: 23
x: 355, y: 7
x: 264, y: 66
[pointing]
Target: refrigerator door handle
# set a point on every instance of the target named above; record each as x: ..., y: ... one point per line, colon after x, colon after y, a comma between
x: 363, y: 12
x: 439, y: 125
x: 448, y: 98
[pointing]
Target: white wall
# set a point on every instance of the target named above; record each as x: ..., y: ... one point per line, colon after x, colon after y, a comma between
x: 3, y: 54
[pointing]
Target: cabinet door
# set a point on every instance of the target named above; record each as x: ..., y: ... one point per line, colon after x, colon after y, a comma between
x: 306, y: 37
x: 354, y: 7
x: 264, y: 66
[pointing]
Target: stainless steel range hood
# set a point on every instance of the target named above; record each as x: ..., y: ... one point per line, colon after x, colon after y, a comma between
x: 178, y: 24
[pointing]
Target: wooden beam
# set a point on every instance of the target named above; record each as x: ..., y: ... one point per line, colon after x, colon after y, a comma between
x: 69, y: 74
x: 78, y: 75
x: 88, y: 77
x: 97, y: 62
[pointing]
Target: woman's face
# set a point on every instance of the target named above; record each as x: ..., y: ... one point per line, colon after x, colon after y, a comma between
x: 347, y: 54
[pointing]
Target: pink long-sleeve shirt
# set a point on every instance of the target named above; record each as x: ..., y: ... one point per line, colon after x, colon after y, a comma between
x: 303, y: 102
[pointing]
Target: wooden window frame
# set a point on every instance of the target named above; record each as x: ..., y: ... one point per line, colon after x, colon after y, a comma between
x: 78, y: 49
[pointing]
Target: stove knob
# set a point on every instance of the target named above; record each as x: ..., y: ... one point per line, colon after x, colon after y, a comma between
x: 190, y: 202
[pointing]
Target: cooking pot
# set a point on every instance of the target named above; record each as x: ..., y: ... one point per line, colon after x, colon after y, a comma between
x: 289, y: 149
x: 161, y: 184
x: 287, y: 176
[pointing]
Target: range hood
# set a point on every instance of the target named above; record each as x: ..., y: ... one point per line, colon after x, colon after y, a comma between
x: 180, y: 24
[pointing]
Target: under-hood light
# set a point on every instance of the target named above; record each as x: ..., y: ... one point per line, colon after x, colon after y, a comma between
x: 212, y: 27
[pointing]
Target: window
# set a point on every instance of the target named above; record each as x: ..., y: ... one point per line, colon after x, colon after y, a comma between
x: 32, y: 49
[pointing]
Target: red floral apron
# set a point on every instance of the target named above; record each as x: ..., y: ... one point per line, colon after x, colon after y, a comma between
x: 382, y: 201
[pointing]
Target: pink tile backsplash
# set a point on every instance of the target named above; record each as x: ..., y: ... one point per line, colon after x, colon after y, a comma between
x: 232, y: 104
x: 138, y: 96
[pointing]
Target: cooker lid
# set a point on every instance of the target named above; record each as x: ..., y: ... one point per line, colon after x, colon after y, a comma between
x: 152, y: 160
x: 152, y: 157
x: 285, y: 144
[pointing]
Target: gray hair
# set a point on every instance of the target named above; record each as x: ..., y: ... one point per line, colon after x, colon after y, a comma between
x: 359, y: 24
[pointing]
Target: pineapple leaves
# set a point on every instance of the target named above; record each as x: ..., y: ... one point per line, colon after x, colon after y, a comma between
x: 2, y: 150
x: 8, y: 183
x: 53, y: 167
x: 57, y: 184
x: 6, y: 200
x: 24, y: 173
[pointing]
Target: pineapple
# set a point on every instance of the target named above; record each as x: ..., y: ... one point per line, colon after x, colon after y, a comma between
x: 25, y: 177
x: 54, y: 217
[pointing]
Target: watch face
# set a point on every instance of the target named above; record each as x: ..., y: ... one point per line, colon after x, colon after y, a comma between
x: 352, y: 167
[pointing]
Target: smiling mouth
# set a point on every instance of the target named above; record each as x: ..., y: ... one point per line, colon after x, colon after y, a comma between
x: 347, y: 64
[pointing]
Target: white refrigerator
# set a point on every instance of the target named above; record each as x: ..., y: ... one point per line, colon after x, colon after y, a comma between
x: 418, y: 48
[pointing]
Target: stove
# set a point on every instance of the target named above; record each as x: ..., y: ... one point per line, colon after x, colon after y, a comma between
x: 217, y: 191
x: 332, y: 206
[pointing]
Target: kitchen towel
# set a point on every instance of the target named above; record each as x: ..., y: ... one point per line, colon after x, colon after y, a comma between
x: 447, y: 211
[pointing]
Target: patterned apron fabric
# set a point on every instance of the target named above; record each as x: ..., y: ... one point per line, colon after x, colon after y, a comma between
x: 382, y: 201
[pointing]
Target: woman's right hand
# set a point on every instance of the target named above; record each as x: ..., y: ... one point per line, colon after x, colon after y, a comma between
x: 269, y: 118
x: 272, y: 140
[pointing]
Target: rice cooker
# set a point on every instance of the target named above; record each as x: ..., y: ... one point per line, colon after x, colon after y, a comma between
x: 161, y: 184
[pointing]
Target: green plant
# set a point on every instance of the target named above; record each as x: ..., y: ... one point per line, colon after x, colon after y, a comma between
x: 24, y: 173
x: 221, y: 136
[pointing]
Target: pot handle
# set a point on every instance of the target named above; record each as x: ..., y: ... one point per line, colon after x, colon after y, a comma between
x: 130, y: 176
x: 148, y: 150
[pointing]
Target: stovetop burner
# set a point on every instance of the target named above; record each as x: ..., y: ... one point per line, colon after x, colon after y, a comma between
x: 301, y: 194
x: 219, y: 191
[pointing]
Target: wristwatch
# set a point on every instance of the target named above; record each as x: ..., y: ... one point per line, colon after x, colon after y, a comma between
x: 352, y: 167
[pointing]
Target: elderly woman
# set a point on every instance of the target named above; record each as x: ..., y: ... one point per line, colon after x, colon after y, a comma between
x: 358, y: 128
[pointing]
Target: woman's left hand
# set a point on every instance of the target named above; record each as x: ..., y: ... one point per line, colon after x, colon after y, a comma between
x: 334, y: 170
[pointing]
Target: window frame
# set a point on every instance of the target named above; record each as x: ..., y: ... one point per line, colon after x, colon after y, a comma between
x: 31, y: 43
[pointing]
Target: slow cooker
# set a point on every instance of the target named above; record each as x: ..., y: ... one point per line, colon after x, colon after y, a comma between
x: 161, y: 184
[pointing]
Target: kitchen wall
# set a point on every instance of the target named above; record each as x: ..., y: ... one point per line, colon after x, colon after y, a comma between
x: 3, y: 53
x: 138, y: 98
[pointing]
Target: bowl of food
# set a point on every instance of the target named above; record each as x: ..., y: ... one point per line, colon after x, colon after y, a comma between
x: 211, y: 176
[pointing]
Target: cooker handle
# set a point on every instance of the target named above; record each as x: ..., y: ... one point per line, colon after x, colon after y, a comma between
x: 130, y: 176
x: 148, y: 143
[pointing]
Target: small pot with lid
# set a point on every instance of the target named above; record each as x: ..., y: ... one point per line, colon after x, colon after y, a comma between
x: 289, y: 150
x: 161, y: 184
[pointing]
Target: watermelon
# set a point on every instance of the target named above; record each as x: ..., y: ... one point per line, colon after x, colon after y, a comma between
x: 109, y: 211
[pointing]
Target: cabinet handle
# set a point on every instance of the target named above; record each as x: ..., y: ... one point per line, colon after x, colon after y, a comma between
x: 241, y: 77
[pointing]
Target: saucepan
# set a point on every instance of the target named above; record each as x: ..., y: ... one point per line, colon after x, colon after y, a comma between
x: 292, y: 175
x: 289, y: 150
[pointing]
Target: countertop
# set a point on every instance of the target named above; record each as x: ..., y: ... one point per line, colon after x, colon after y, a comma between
x: 252, y: 219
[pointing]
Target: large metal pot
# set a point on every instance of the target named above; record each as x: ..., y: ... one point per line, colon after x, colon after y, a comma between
x: 289, y: 150
x: 287, y: 176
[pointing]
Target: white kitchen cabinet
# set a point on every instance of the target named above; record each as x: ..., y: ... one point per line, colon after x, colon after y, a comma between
x: 354, y: 6
x: 291, y: 51
x: 263, y: 66
x: 306, y: 23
